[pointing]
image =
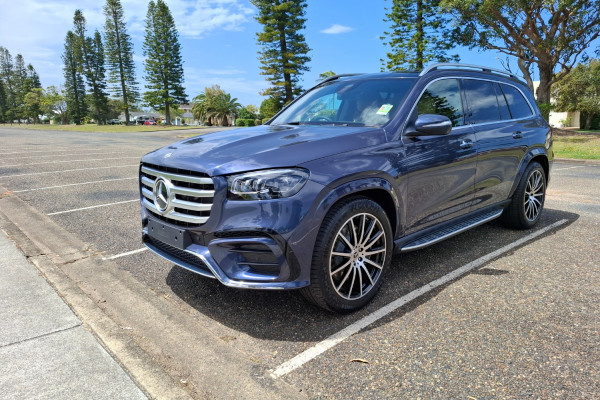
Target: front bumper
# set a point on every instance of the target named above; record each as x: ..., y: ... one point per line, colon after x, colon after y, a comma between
x: 198, y: 259
x: 243, y: 244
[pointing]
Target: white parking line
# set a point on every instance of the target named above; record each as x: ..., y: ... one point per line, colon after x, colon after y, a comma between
x: 62, y: 155
x: 91, y: 207
x: 72, y: 184
x: 124, y: 254
x: 350, y: 330
x: 35, y: 151
x: 562, y: 169
x: 68, y: 170
x: 67, y: 161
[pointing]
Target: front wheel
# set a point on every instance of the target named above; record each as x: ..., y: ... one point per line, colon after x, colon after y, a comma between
x: 528, y: 200
x: 352, y: 251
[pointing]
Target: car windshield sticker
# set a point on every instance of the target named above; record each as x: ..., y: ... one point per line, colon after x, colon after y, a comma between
x: 384, y: 109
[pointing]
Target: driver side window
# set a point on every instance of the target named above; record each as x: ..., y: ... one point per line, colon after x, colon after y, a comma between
x: 443, y: 98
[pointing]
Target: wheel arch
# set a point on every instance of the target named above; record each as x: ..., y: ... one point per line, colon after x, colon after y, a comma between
x: 534, y: 155
x: 378, y: 189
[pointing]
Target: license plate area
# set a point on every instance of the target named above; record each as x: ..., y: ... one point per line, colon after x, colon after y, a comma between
x: 178, y: 238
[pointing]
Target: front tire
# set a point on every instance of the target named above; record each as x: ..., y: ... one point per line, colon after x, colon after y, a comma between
x: 352, y: 251
x: 528, y: 200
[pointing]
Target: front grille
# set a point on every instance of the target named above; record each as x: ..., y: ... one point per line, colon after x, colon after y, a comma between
x: 191, y: 194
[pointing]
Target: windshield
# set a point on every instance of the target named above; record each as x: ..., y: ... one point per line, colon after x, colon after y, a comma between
x: 364, y: 102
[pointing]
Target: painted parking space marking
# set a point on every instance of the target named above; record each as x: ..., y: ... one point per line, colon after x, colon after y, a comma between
x: 563, y: 169
x: 63, y: 155
x: 68, y: 170
x: 67, y: 161
x: 92, y: 207
x: 36, y: 151
x: 129, y: 253
x: 72, y: 184
x: 357, y: 326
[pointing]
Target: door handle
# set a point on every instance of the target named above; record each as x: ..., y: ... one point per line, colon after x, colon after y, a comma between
x: 517, y: 135
x: 466, y: 144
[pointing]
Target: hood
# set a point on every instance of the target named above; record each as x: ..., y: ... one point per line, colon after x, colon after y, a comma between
x: 261, y: 147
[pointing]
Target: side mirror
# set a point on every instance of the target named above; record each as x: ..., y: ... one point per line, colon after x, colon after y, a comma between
x: 431, y: 124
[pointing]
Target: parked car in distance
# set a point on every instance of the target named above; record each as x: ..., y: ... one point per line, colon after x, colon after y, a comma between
x: 114, y: 121
x: 150, y: 122
x: 141, y: 119
x: 356, y: 169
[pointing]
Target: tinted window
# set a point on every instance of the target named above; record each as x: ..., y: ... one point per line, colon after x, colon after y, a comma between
x: 481, y: 97
x: 519, y: 108
x: 504, y: 112
x: 443, y: 97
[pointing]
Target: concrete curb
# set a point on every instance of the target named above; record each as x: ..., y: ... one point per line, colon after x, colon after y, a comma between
x: 165, y: 350
x: 577, y: 161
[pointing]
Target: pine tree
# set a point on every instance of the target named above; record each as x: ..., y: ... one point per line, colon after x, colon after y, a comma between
x: 89, y: 54
x: 419, y: 34
x: 7, y: 76
x: 20, y: 86
x: 119, y: 55
x: 284, y: 49
x: 3, y: 102
x: 33, y: 79
x: 163, y: 64
x: 74, y: 86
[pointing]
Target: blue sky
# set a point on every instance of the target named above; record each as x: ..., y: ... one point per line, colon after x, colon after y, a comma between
x: 218, y: 39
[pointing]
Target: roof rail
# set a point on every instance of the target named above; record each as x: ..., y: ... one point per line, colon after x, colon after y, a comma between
x: 467, y: 66
x: 334, y: 77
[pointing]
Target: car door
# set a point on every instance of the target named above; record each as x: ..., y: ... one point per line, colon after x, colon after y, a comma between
x: 500, y: 144
x: 440, y: 169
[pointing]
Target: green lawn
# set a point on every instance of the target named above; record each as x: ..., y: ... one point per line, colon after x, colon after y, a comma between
x: 101, y: 128
x: 578, y: 146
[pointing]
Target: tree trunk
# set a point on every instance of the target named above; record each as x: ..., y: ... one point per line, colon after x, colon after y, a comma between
x: 420, y: 36
x: 588, y: 121
x: 543, y: 90
x: 287, y: 77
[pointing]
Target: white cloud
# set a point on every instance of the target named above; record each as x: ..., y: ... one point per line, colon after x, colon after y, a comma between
x: 336, y: 29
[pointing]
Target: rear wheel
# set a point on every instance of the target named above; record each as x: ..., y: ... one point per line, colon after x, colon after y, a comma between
x: 352, y: 252
x: 528, y: 201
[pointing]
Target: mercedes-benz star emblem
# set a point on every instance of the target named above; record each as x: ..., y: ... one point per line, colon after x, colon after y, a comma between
x: 162, y: 195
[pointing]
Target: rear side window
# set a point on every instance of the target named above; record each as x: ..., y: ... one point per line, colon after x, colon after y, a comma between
x: 483, y: 104
x: 519, y: 107
x: 443, y: 97
x: 504, y: 111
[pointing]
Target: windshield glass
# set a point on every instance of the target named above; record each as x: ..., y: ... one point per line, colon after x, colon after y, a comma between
x: 364, y: 102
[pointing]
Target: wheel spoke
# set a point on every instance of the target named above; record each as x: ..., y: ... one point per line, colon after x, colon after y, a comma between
x: 373, y: 263
x: 352, y: 283
x: 337, y: 253
x: 353, y: 229
x: 368, y: 235
x: 367, y: 273
x: 342, y: 267
x: 368, y: 246
x: 360, y: 284
x: 370, y: 253
x: 363, y: 220
x: 345, y: 240
x: 344, y: 280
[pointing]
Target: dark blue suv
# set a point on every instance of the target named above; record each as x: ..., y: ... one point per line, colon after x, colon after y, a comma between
x: 360, y: 166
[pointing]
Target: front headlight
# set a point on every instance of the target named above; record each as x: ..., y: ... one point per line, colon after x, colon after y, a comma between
x: 267, y: 184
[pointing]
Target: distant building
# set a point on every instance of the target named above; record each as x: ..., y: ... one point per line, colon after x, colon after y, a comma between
x: 561, y: 119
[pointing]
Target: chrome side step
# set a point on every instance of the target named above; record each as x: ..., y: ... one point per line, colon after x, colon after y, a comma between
x: 450, y: 231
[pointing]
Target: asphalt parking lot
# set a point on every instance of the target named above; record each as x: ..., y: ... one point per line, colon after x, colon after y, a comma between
x: 514, y: 314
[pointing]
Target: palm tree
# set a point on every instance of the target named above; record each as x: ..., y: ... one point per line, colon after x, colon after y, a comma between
x: 224, y: 106
x: 214, y: 105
